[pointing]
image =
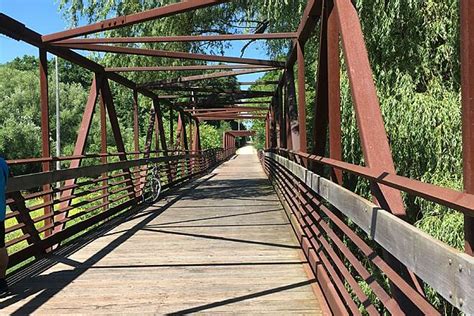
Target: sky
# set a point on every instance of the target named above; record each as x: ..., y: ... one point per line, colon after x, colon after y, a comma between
x: 43, y: 17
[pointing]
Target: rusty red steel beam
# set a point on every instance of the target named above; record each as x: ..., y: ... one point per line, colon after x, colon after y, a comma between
x: 222, y: 103
x: 308, y: 22
x: 301, y: 98
x: 228, y: 113
x: 213, y: 118
x: 131, y: 19
x: 213, y: 114
x: 374, y: 141
x: 334, y: 85
x: 178, y: 88
x: 244, y: 95
x: 228, y: 109
x: 136, y: 128
x: 245, y: 133
x: 467, y: 93
x: 173, y: 54
x: 220, y: 74
x: 310, y: 18
x: 18, y: 31
x: 181, y: 38
x: 182, y: 68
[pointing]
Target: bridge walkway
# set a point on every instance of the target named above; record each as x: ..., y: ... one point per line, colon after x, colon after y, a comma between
x: 221, y: 244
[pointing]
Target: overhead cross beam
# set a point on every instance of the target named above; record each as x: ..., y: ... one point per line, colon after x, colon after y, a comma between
x: 230, y: 117
x: 183, y: 38
x: 182, y: 68
x: 132, y: 19
x: 173, y: 54
x: 221, y: 104
x: 215, y: 75
x: 236, y: 108
x: 199, y: 89
x: 240, y: 95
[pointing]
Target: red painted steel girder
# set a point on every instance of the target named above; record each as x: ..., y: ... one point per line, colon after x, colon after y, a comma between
x: 237, y: 108
x: 220, y: 74
x: 310, y: 18
x: 131, y: 19
x: 374, y: 141
x: 203, y: 89
x: 229, y: 113
x: 18, y: 31
x: 467, y: 89
x: 220, y: 104
x: 173, y: 54
x: 241, y: 133
x: 181, y: 38
x: 182, y: 68
x: 246, y: 95
x: 226, y: 118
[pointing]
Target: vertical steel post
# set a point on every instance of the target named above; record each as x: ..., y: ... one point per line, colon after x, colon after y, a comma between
x: 136, y: 131
x: 467, y: 82
x: 301, y: 98
x: 103, y: 149
x: 282, y: 121
x: 334, y: 98
x: 161, y: 129
x: 374, y: 140
x: 171, y: 128
x: 197, y: 137
x: 288, y: 116
x: 292, y: 117
x: 115, y: 126
x: 45, y: 148
x: 267, y: 132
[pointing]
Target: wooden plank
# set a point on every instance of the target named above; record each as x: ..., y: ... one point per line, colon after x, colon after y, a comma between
x: 453, y: 275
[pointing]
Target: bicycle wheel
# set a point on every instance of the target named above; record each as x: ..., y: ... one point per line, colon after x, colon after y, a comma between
x: 155, y: 189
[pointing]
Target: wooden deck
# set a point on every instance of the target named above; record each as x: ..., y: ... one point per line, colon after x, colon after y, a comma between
x: 223, y: 244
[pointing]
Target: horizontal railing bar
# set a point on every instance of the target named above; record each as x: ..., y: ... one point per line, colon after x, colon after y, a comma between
x: 457, y: 200
x: 25, y: 182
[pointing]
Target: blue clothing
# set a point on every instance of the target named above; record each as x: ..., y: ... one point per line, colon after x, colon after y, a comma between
x: 3, y: 185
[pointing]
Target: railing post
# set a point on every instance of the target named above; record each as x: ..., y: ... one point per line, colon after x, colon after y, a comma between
x: 301, y: 98
x: 467, y: 88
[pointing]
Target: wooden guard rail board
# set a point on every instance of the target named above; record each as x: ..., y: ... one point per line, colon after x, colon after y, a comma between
x: 452, y: 276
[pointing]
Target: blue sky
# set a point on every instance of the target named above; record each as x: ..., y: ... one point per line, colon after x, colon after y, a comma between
x: 43, y: 17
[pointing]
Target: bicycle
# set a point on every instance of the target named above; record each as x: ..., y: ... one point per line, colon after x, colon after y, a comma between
x: 152, y: 187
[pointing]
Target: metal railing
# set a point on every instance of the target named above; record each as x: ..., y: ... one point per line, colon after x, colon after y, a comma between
x: 351, y: 243
x: 45, y: 209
